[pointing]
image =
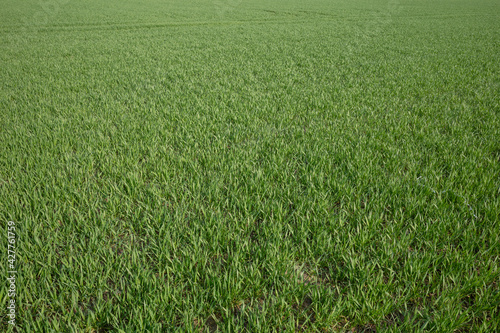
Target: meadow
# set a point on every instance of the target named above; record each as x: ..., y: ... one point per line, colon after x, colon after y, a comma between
x: 251, y: 165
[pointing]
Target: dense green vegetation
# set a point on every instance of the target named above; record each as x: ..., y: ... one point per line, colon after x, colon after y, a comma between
x: 251, y: 165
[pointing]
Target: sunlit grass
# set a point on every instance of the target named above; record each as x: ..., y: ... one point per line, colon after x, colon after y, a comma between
x: 264, y: 166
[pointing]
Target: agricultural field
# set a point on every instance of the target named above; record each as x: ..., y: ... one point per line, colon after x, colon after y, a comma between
x: 250, y: 165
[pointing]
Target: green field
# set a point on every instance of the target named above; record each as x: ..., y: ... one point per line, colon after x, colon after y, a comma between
x: 251, y: 166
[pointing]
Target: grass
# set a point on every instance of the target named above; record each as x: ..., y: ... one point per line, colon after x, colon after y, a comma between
x: 251, y: 166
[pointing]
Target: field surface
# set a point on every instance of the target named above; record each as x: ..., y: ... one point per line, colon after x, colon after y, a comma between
x: 257, y: 166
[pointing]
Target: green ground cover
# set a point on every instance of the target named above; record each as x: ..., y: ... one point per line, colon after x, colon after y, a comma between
x: 251, y: 165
